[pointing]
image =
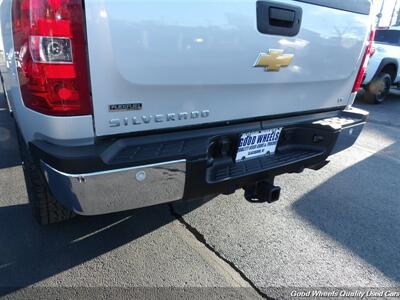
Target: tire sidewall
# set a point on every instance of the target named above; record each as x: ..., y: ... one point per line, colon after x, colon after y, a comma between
x: 376, y: 94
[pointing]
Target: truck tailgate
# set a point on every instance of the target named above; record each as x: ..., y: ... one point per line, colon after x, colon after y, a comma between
x: 174, y: 63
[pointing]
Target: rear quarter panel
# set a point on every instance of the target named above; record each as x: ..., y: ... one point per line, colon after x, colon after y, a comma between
x: 33, y: 125
x: 382, y: 51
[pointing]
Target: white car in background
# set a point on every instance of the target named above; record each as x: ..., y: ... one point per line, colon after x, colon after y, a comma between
x: 382, y: 71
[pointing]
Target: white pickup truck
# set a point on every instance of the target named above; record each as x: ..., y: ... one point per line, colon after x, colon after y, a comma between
x: 383, y: 67
x: 127, y: 104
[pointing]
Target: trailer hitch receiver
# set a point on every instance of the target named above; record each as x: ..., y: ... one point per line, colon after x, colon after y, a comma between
x: 263, y: 191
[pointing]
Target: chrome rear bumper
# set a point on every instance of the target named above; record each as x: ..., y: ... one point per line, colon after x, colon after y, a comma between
x: 118, y: 190
x: 134, y: 172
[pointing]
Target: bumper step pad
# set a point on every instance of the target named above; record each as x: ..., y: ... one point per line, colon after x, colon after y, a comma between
x: 240, y: 169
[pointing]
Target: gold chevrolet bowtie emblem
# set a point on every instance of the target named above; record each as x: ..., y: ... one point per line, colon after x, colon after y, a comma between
x: 274, y: 60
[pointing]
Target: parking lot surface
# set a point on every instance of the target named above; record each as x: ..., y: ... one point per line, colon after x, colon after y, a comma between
x: 337, y: 227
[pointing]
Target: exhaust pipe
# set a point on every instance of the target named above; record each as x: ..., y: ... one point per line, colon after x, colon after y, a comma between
x: 261, y: 192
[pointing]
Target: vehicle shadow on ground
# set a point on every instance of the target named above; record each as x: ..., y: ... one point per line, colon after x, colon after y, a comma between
x: 367, y: 224
x: 9, y: 152
x: 385, y: 113
x: 30, y: 253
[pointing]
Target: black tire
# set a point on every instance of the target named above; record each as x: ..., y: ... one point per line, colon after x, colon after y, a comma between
x: 379, y: 88
x: 45, y: 208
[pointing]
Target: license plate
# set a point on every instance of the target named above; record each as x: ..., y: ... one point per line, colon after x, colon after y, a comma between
x: 258, y: 143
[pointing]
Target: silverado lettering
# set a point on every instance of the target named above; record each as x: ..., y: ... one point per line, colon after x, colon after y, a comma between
x: 159, y: 118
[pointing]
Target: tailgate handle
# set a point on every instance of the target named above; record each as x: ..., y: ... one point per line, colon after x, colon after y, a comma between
x: 281, y: 17
x: 278, y: 18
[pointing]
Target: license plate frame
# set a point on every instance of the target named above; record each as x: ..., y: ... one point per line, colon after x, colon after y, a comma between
x: 258, y: 143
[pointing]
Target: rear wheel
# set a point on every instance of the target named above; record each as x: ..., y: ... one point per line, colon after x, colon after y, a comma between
x: 379, y: 88
x: 45, y: 208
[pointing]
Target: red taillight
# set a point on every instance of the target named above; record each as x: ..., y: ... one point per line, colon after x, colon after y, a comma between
x: 50, y: 49
x: 369, y: 51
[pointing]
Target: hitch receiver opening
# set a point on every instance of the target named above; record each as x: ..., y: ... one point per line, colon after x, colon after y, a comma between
x: 263, y: 191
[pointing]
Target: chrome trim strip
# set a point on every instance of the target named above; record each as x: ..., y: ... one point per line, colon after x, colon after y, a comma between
x: 117, y: 190
x: 116, y: 170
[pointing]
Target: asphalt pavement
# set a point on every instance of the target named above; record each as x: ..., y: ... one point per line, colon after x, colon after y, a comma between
x: 337, y: 227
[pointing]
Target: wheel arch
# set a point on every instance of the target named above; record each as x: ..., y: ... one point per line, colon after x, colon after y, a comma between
x: 389, y: 66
